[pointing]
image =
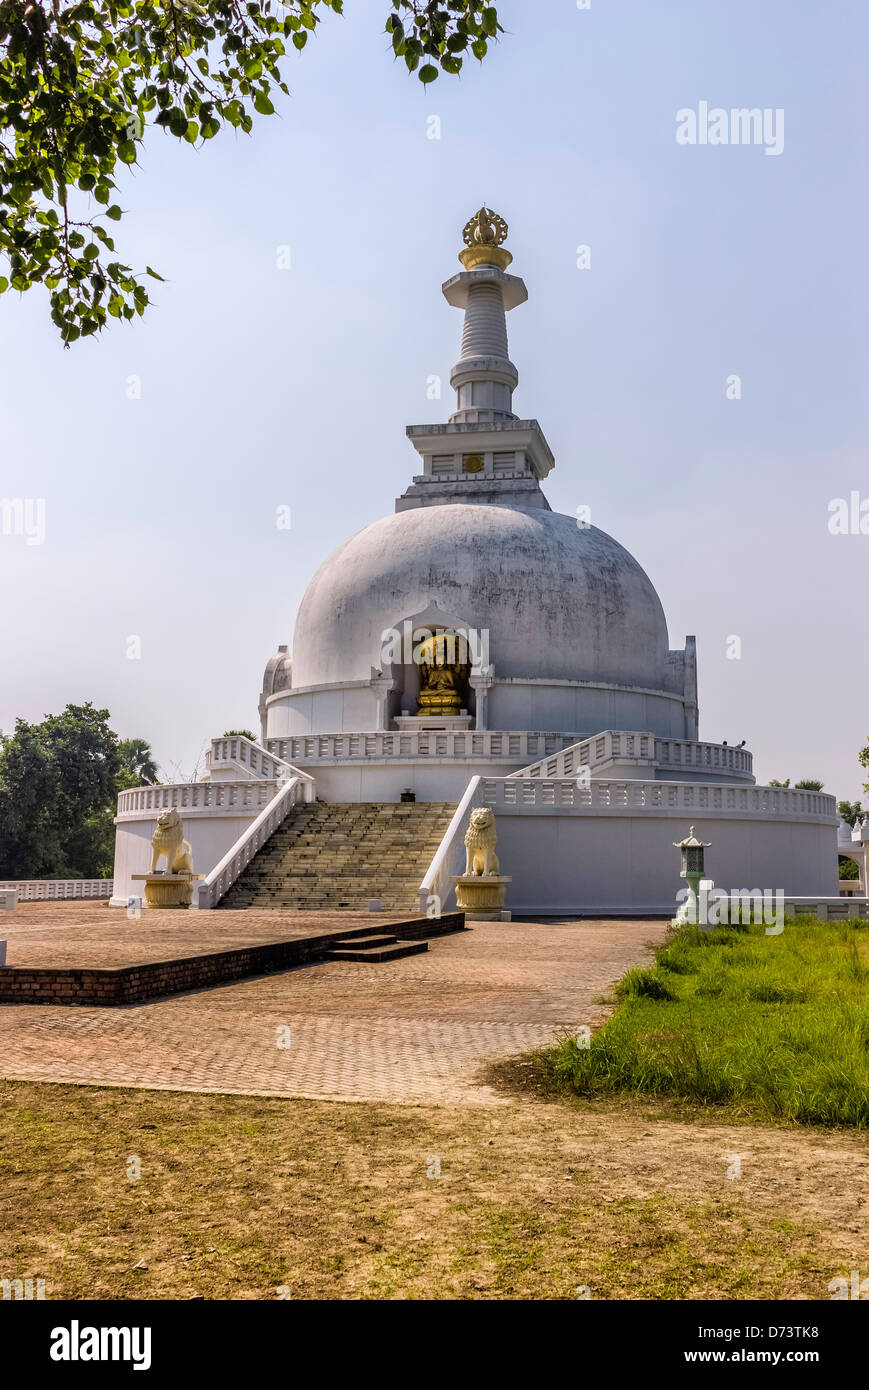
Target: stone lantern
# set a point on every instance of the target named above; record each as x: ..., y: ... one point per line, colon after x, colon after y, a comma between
x: 692, y: 871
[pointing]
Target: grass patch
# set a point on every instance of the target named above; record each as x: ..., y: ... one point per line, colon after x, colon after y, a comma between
x: 777, y: 1026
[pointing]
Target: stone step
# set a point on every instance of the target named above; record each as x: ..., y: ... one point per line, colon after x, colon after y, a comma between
x: 365, y: 943
x: 377, y: 954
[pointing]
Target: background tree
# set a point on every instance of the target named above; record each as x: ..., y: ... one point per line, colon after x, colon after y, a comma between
x: 59, y: 782
x: 850, y: 812
x: 137, y: 763
x: 863, y: 758
x: 806, y: 784
x: 240, y: 733
x: 81, y: 81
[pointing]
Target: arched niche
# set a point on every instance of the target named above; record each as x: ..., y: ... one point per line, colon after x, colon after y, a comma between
x: 396, y: 655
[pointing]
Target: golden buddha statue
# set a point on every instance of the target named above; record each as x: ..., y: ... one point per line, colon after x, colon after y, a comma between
x: 443, y: 676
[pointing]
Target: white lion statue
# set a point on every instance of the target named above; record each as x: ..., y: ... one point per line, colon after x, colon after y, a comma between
x: 480, y: 842
x: 169, y: 839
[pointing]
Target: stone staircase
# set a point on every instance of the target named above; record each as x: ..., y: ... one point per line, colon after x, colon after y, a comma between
x: 328, y: 856
x: 376, y: 949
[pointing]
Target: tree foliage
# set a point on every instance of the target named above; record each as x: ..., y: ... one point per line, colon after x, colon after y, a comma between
x: 850, y: 812
x: 81, y: 82
x: 863, y: 758
x: 59, y: 782
x: 806, y: 784
x: 137, y: 763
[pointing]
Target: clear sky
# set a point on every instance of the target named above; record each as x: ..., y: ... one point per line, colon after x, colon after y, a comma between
x: 264, y: 387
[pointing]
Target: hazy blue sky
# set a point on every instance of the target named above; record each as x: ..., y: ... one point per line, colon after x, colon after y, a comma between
x: 262, y: 387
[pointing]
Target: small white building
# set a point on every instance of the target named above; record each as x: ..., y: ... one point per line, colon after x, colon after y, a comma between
x: 558, y: 700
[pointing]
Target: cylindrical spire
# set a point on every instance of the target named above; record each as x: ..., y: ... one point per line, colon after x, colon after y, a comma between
x: 485, y: 330
x: 484, y: 378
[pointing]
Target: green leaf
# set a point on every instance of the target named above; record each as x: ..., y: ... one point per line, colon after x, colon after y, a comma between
x: 153, y: 274
x: 428, y: 73
x: 300, y: 39
x: 127, y: 152
x: 114, y: 212
x: 263, y: 104
x: 4, y: 284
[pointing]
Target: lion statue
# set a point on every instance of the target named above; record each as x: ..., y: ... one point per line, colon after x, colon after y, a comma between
x: 168, y: 839
x: 480, y: 842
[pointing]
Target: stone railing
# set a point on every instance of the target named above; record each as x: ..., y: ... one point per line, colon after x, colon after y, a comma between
x: 197, y: 798
x: 558, y: 795
x: 594, y: 752
x: 235, y: 861
x: 43, y: 890
x: 643, y: 750
x: 488, y: 744
x: 679, y: 753
x: 827, y: 909
x: 449, y: 856
x: 246, y: 757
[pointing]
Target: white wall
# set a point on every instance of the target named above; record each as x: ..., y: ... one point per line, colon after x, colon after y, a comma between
x: 614, y: 864
x: 518, y: 704
x: 334, y: 710
x: 210, y: 837
x: 513, y: 704
x: 363, y: 781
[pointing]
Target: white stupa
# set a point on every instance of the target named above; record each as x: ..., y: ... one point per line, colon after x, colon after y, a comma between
x: 575, y: 635
x: 567, y: 713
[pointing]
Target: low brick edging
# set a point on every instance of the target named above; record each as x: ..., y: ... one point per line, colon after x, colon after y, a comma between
x: 134, y: 984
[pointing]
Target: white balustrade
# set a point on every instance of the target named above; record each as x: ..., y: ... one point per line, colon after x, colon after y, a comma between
x: 450, y: 853
x: 629, y: 746
x: 507, y: 745
x: 827, y: 909
x: 519, y: 795
x: 41, y: 890
x: 196, y: 798
x: 712, y: 757
x: 248, y: 757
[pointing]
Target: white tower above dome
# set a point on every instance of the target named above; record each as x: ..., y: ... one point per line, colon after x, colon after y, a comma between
x: 484, y: 453
x: 484, y: 378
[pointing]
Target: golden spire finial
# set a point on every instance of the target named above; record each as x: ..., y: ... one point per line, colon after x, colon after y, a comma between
x: 483, y: 236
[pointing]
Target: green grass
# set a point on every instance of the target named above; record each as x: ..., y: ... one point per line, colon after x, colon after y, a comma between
x: 775, y: 1025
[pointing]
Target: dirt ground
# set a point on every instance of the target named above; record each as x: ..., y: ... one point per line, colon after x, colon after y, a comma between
x: 242, y: 1197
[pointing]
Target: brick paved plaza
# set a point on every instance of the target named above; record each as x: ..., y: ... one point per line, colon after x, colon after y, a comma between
x: 417, y: 1030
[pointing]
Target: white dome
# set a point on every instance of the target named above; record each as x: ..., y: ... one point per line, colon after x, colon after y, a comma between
x: 278, y: 672
x: 559, y: 602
